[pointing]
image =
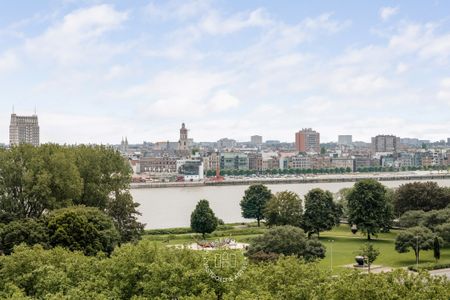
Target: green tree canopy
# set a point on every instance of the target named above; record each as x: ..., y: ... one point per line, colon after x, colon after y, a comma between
x: 36, y: 179
x: 321, y: 213
x: 415, y: 238
x: 443, y: 231
x: 286, y: 240
x: 203, y: 219
x: 82, y: 228
x: 368, y: 207
x: 411, y: 218
x: 370, y: 254
x: 424, y: 196
x: 254, y: 202
x: 27, y: 231
x: 284, y: 208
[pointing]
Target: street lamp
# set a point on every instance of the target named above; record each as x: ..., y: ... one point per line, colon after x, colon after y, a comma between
x: 331, y: 255
x: 417, y: 252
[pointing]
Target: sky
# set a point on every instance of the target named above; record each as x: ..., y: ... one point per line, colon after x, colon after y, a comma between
x: 97, y: 71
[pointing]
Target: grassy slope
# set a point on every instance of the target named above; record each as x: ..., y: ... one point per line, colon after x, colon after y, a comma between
x: 344, y: 245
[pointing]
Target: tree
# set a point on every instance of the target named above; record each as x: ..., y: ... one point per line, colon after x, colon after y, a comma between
x: 286, y: 240
x: 368, y: 208
x: 412, y: 218
x: 424, y: 196
x: 369, y: 253
x: 435, y: 218
x: 284, y: 208
x: 416, y: 238
x: 36, y: 179
x: 443, y: 231
x: 123, y: 211
x: 27, y: 231
x: 82, y: 228
x: 341, y: 197
x: 203, y: 219
x: 254, y: 202
x: 436, y: 248
x: 321, y: 213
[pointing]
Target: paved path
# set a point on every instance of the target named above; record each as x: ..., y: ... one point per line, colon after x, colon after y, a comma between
x: 441, y: 272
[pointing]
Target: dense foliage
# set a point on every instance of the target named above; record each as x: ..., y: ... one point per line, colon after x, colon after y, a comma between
x: 420, y: 196
x: 82, y: 228
x: 254, y: 202
x: 416, y: 239
x: 203, y: 219
x: 321, y: 213
x: 144, y: 271
x: 37, y: 180
x: 284, y: 208
x: 286, y: 240
x: 369, y: 208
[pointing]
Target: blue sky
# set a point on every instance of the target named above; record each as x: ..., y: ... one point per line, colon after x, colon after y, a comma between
x: 100, y: 70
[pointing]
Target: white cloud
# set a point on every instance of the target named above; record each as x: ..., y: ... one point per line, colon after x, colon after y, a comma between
x: 387, y: 12
x: 444, y: 90
x: 214, y: 24
x: 77, y: 37
x: 8, y: 62
x: 223, y: 101
x: 176, y: 9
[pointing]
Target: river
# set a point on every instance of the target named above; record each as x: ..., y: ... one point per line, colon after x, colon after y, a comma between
x: 172, y: 207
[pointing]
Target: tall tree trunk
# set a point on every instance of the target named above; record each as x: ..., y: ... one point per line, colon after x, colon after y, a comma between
x: 257, y: 219
x: 368, y: 236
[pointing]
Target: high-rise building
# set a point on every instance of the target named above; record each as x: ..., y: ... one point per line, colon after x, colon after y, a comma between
x: 256, y: 139
x: 345, y: 140
x: 307, y: 140
x: 385, y: 143
x: 24, y: 130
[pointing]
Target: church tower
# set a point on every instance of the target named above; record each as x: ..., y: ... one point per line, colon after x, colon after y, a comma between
x: 183, y: 144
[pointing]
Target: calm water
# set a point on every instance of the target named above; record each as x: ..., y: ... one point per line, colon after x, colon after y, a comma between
x: 172, y: 207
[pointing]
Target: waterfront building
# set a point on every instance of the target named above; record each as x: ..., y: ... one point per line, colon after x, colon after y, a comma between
x: 234, y: 161
x: 345, y: 140
x: 342, y: 162
x: 255, y: 161
x: 256, y: 140
x: 270, y: 163
x: 361, y: 161
x: 307, y: 140
x: 190, y: 169
x: 300, y: 162
x: 160, y: 164
x: 24, y: 130
x: 320, y: 162
x: 385, y: 143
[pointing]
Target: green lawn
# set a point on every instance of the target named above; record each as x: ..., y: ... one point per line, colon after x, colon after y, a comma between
x: 343, y: 247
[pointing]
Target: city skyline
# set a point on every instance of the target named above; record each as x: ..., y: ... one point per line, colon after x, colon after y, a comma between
x: 100, y: 70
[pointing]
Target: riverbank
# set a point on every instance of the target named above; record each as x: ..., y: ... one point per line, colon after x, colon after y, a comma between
x: 404, y: 176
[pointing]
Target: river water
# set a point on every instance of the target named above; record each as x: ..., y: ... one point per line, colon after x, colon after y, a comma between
x: 172, y: 207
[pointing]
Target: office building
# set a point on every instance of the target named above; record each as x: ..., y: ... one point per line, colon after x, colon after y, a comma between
x: 345, y: 140
x: 307, y: 140
x: 256, y: 139
x: 385, y: 143
x: 24, y: 130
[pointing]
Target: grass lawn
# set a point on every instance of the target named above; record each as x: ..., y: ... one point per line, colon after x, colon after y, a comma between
x: 343, y: 247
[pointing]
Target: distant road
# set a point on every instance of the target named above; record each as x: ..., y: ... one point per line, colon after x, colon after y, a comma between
x: 411, y: 175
